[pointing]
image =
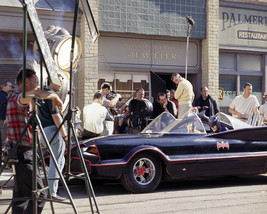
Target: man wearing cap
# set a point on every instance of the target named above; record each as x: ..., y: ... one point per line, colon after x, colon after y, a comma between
x: 244, y: 105
x: 263, y: 109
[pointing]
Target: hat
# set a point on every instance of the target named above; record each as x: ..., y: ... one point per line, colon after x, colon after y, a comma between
x: 265, y: 94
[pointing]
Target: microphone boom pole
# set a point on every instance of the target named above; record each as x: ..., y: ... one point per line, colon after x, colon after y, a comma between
x: 190, y: 22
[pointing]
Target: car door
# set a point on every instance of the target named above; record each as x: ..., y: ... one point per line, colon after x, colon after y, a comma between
x: 220, y: 157
x: 181, y: 154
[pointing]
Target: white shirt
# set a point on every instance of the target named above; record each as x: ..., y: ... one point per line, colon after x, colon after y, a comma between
x: 244, y: 105
x: 94, y: 115
x: 263, y: 110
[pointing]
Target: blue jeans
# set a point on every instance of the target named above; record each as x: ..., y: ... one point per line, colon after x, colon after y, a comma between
x: 58, y: 148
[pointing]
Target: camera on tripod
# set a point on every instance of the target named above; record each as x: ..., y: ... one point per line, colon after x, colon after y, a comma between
x: 140, y: 113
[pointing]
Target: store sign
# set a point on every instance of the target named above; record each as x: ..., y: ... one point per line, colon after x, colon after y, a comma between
x: 243, y: 27
x: 221, y: 91
x: 148, y: 52
x: 225, y: 97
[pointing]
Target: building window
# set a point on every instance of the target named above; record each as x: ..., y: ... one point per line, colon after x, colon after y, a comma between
x: 236, y: 69
x: 256, y: 82
x: 228, y: 61
x: 227, y: 84
x: 125, y: 84
x: 250, y: 62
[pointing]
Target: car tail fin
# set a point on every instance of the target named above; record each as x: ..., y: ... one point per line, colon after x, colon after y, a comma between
x: 92, y: 149
x: 250, y: 134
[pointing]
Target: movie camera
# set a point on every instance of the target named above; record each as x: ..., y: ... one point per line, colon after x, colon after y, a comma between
x: 140, y: 113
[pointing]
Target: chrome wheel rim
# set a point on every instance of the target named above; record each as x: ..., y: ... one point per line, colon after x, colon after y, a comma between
x: 144, y: 171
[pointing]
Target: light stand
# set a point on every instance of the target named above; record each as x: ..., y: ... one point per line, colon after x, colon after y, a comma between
x: 190, y: 22
x: 85, y: 175
x: 34, y: 120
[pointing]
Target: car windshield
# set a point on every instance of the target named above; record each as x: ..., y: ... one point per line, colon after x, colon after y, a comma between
x: 232, y: 121
x: 159, y: 123
x: 166, y: 123
x: 190, y: 124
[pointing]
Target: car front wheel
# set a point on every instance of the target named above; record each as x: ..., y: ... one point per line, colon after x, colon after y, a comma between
x: 142, y: 174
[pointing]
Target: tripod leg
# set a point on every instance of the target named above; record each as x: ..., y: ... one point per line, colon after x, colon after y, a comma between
x: 34, y: 173
x: 88, y: 183
x: 7, y: 181
x: 56, y: 165
x: 45, y: 174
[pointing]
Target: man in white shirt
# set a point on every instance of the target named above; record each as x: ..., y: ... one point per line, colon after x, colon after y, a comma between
x: 94, y: 116
x: 263, y: 109
x: 244, y: 105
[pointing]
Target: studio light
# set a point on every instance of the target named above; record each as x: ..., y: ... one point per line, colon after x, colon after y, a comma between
x: 59, y: 41
x: 63, y: 93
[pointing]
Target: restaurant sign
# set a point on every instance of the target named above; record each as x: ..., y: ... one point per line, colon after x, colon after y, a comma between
x: 243, y: 27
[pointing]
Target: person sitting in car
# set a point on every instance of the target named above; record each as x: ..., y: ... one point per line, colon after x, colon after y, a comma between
x: 216, y: 125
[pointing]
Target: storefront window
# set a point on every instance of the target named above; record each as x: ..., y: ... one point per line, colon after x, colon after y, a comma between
x: 11, y: 53
x: 236, y: 70
x: 256, y: 85
x: 227, y: 61
x: 250, y: 62
x: 126, y: 84
x: 227, y: 91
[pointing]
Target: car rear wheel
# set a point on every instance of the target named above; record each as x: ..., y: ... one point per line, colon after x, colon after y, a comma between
x: 142, y: 174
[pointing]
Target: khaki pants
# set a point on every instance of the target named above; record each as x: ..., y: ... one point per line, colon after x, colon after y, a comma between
x: 183, y: 110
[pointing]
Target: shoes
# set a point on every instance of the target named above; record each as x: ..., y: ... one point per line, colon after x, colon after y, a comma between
x: 58, y: 198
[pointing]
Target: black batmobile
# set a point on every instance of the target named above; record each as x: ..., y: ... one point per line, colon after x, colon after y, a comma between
x: 175, y: 149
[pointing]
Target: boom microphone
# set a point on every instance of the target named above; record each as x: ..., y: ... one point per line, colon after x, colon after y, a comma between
x: 190, y: 20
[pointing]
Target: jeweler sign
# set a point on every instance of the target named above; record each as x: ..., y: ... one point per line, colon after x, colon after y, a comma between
x: 242, y: 27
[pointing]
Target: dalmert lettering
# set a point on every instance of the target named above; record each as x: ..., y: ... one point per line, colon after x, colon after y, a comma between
x: 232, y: 19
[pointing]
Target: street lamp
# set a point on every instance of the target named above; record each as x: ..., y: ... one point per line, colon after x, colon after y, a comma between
x: 190, y: 22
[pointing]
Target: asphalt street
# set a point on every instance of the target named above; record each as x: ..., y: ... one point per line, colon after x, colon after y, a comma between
x: 238, y: 195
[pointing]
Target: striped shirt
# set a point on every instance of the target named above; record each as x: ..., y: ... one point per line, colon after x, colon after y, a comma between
x: 17, y: 117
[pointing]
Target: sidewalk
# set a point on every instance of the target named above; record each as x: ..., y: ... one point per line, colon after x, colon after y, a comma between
x: 6, y: 182
x: 78, y: 193
x: 6, y: 185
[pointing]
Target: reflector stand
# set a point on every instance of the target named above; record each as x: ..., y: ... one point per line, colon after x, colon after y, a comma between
x: 41, y: 42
